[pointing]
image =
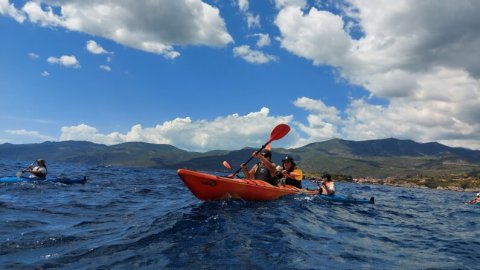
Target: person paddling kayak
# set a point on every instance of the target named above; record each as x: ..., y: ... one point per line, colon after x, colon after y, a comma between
x: 264, y: 170
x: 38, y: 171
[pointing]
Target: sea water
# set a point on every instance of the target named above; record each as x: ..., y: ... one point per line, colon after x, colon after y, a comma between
x: 125, y: 218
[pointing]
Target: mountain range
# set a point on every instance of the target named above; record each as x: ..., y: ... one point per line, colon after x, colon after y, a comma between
x: 373, y: 158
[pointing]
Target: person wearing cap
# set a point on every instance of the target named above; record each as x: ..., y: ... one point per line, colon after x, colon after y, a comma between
x: 475, y: 200
x: 328, y: 186
x: 264, y: 170
x: 293, y: 175
x: 38, y: 171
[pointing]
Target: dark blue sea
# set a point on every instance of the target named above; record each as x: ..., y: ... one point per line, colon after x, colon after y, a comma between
x: 125, y: 218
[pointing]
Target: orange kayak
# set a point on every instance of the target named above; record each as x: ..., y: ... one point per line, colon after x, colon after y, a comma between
x: 208, y: 187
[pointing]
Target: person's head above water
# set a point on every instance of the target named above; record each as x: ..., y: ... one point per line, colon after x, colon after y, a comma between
x: 40, y: 162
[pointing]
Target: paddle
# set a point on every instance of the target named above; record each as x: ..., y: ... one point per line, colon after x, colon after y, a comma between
x: 226, y: 165
x: 19, y: 173
x: 277, y: 133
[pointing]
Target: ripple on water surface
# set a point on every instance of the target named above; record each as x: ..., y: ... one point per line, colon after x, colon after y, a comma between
x: 147, y: 218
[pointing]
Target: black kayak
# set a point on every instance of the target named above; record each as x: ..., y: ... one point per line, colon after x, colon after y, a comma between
x: 63, y: 180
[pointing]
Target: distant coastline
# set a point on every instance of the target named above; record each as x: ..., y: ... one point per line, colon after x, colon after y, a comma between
x: 384, y: 162
x: 461, y: 183
x: 468, y: 184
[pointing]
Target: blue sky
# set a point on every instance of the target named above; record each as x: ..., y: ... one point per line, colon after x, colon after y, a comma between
x: 221, y: 74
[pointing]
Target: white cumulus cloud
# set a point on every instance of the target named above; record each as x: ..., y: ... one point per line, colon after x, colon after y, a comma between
x: 31, y: 134
x: 230, y: 132
x: 152, y: 26
x: 424, y: 69
x: 243, y: 5
x: 84, y: 132
x: 253, y: 56
x: 317, y: 35
x: 253, y: 21
x: 33, y: 55
x: 284, y: 3
x: 323, y: 121
x: 105, y: 67
x: 96, y: 48
x: 263, y: 39
x: 9, y: 9
x: 65, y: 60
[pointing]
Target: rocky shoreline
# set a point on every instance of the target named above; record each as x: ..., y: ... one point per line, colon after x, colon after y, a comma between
x: 461, y: 185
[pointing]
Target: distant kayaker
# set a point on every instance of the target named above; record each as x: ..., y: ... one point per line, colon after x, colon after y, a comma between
x: 264, y: 170
x: 38, y: 171
x: 328, y: 186
x: 289, y: 174
x: 476, y: 199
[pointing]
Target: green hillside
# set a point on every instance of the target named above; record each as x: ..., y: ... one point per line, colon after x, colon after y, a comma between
x: 374, y: 158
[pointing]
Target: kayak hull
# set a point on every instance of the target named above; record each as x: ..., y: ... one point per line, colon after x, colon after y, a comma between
x: 208, y: 187
x: 68, y: 181
x: 346, y: 199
